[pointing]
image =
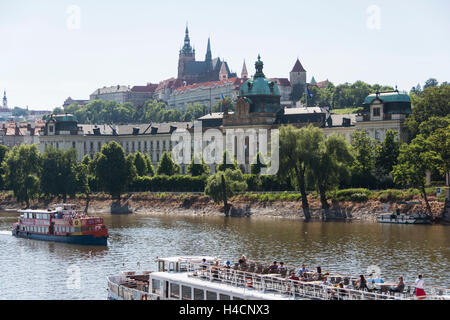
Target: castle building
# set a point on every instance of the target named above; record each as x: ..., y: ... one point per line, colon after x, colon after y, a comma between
x: 192, y: 71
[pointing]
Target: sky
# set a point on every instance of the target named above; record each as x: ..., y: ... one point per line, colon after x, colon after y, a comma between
x: 50, y: 50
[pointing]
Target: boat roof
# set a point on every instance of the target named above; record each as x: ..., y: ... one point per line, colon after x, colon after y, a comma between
x: 184, y: 278
x: 188, y: 259
x: 36, y: 211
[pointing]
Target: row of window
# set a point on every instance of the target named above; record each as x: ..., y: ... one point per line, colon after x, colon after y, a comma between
x: 184, y: 292
x: 35, y: 229
x: 39, y: 216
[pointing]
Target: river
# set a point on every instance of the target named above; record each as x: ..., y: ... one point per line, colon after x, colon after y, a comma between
x: 32, y: 269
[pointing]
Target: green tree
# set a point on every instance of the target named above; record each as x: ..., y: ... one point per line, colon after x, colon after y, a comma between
x: 148, y: 161
x: 167, y: 166
x: 440, y: 141
x: 329, y: 165
x: 141, y: 164
x: 227, y: 162
x: 387, y: 153
x: 258, y: 164
x: 198, y: 169
x: 223, y: 185
x: 297, y: 147
x: 112, y: 169
x: 414, y: 161
x: 3, y: 153
x: 221, y: 105
x: 363, y: 167
x: 21, y: 166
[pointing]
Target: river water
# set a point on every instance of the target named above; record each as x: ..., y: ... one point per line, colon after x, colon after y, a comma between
x: 32, y: 269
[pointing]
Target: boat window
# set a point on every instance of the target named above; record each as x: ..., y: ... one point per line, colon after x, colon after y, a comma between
x: 211, y: 295
x: 156, y: 285
x: 175, y: 291
x: 199, y: 294
x: 224, y: 297
x: 186, y: 293
x: 237, y: 298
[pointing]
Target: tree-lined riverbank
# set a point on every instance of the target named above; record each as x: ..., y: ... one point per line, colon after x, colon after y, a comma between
x: 269, y: 205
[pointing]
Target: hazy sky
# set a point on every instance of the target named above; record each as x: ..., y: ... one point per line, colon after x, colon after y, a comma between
x: 48, y: 52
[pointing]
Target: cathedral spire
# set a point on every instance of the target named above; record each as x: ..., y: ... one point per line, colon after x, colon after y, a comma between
x: 208, y: 51
x: 187, y: 42
x: 244, y: 73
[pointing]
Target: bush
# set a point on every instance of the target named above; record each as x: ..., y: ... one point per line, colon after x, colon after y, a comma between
x: 352, y: 194
x: 359, y: 197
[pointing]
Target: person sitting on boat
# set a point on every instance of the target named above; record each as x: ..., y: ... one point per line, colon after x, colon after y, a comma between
x: 325, y: 282
x: 281, y: 267
x: 215, y: 270
x: 318, y: 275
x: 361, y: 284
x: 204, y: 264
x: 273, y: 267
x: 302, y: 271
x: 242, y: 260
x: 292, y: 276
x: 227, y: 265
x: 420, y: 291
x: 399, y: 288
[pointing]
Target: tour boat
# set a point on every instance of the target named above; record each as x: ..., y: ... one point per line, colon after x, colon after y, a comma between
x: 62, y: 223
x: 206, y: 278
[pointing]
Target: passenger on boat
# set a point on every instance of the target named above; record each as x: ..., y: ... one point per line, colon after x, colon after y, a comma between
x: 282, y: 267
x: 420, y: 291
x: 215, y: 270
x: 292, y: 276
x: 273, y: 267
x: 399, y: 288
x: 227, y: 265
x: 325, y: 282
x: 302, y: 270
x: 318, y: 275
x: 361, y: 284
x: 204, y: 264
x: 242, y: 260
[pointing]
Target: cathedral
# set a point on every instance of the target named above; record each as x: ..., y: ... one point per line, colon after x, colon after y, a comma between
x: 192, y: 71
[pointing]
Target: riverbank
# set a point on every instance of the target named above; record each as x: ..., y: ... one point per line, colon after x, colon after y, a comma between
x: 248, y: 205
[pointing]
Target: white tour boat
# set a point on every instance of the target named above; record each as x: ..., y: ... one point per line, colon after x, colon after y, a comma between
x: 207, y: 278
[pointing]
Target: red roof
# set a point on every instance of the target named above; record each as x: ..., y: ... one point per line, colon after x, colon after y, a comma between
x: 298, y: 67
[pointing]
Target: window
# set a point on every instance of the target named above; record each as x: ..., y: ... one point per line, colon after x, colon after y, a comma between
x: 224, y: 297
x: 73, y: 144
x: 99, y: 146
x: 92, y: 146
x: 50, y: 128
x: 376, y: 112
x: 199, y: 294
x: 186, y: 293
x: 139, y: 146
x: 175, y: 291
x: 156, y: 284
x: 211, y: 295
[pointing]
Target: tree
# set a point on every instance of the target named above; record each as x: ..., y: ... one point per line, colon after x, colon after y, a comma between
x: 329, y: 164
x: 141, y: 165
x: 112, y: 169
x: 430, y: 83
x: 167, y: 166
x: 297, y: 147
x: 440, y: 140
x: 364, y: 151
x: 414, y: 160
x: 227, y: 162
x: 259, y: 163
x: 148, y: 161
x: 198, y: 169
x: 221, y: 105
x: 387, y: 153
x: 3, y: 153
x: 223, y: 185
x: 21, y: 172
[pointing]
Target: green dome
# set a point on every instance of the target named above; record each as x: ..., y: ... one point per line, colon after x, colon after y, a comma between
x: 65, y: 118
x: 388, y: 97
x: 259, y: 85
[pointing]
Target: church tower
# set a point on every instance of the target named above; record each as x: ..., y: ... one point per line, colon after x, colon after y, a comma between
x: 5, y: 100
x: 244, y: 73
x: 186, y: 54
x: 208, y: 57
x: 223, y: 74
x: 298, y: 74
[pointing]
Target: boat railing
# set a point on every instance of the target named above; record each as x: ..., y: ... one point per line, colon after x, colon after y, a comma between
x: 116, y: 285
x: 277, y: 284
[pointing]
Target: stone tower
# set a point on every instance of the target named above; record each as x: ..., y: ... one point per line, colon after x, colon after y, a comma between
x: 298, y: 74
x: 208, y: 56
x: 244, y: 73
x: 186, y: 54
